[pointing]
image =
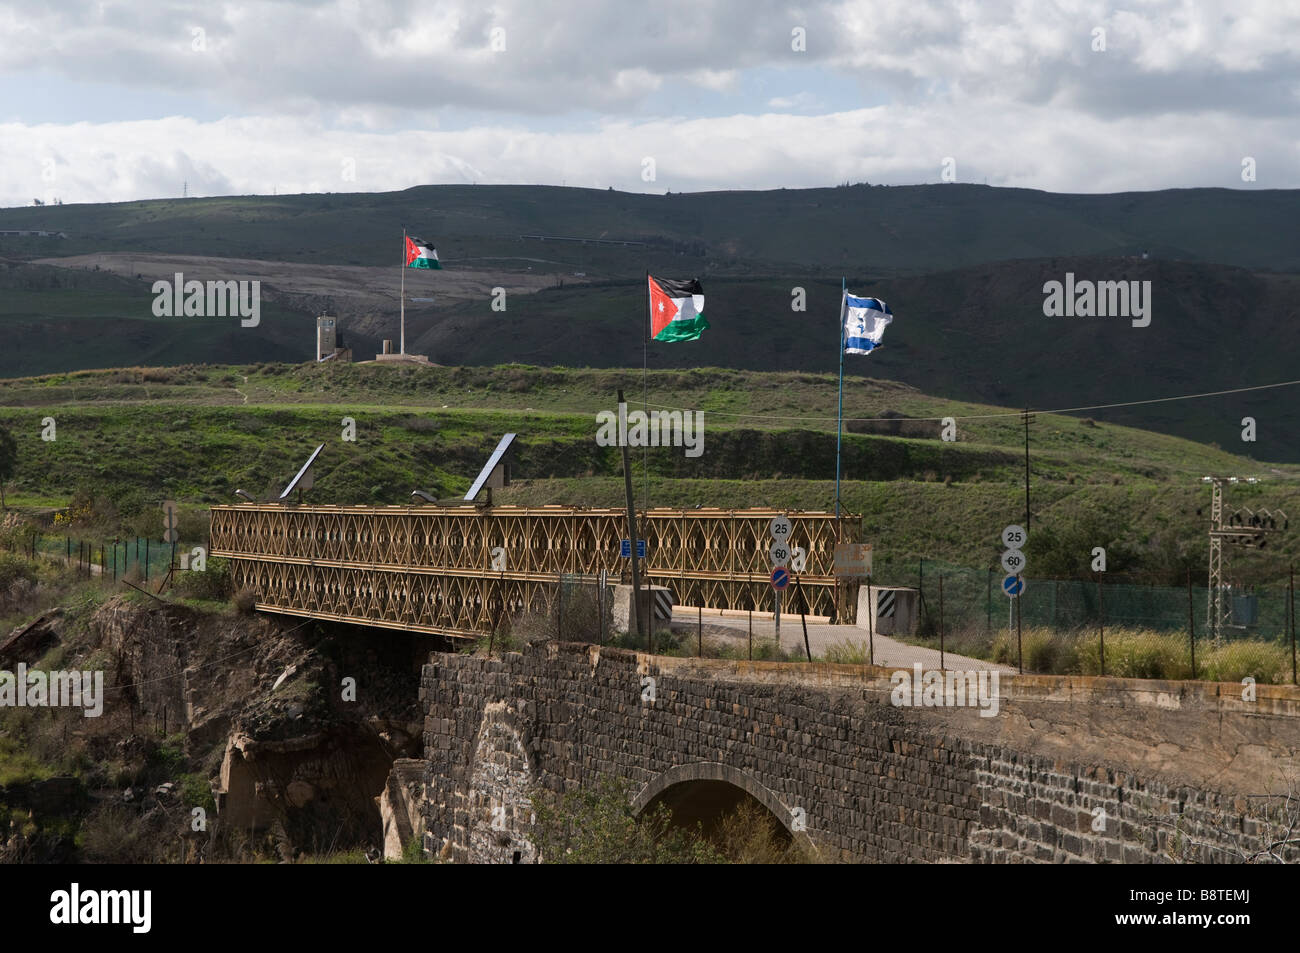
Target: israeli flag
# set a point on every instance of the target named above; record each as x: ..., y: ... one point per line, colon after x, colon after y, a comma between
x: 865, y: 320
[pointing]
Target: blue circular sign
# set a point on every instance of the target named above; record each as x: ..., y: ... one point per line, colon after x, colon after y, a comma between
x: 780, y: 577
x: 1013, y: 586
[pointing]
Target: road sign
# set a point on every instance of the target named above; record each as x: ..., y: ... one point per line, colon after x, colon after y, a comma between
x: 852, y: 560
x: 1013, y: 586
x: 780, y: 553
x: 798, y: 558
x: 1013, y: 561
x: 170, y: 535
x: 780, y: 529
x: 780, y: 578
x: 1013, y: 537
x: 625, y: 549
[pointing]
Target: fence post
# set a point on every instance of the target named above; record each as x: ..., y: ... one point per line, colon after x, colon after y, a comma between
x: 1101, y: 624
x: 1291, y: 601
x: 871, y: 624
x: 920, y: 590
x: 600, y: 603
x: 941, y: 666
x: 751, y: 633
x: 699, y: 631
x: 988, y: 604
x: 1191, y: 622
x: 559, y: 620
x: 1020, y: 611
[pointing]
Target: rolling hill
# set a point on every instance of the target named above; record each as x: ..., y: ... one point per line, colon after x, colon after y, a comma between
x: 963, y: 267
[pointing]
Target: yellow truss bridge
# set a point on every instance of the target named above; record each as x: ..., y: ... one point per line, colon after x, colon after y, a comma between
x: 457, y: 570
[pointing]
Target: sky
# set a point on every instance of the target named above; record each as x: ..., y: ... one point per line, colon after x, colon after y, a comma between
x: 115, y: 101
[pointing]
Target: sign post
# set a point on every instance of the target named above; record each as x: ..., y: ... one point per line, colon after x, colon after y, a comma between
x: 779, y: 552
x: 780, y: 579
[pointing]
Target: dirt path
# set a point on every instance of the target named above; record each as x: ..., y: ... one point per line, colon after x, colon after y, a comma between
x: 350, y: 289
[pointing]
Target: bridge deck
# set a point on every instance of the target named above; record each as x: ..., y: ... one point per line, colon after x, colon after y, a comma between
x: 430, y: 568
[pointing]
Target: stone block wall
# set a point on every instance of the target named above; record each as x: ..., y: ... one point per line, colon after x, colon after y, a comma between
x: 822, y: 747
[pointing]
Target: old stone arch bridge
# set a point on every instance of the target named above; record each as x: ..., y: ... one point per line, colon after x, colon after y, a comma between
x: 1069, y: 769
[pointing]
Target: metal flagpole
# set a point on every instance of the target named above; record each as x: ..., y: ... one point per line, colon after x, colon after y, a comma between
x: 839, y: 417
x: 645, y: 384
x: 403, y: 345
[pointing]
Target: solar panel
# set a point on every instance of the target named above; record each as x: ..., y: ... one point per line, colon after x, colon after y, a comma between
x: 488, y: 467
x: 293, y: 484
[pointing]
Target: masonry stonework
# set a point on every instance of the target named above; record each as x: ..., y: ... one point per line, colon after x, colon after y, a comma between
x: 1070, y: 770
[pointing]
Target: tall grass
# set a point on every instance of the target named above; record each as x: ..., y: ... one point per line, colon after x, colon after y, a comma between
x: 1144, y: 653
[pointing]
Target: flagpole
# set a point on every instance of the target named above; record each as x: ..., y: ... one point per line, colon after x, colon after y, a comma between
x: 645, y: 385
x: 839, y: 417
x: 403, y: 345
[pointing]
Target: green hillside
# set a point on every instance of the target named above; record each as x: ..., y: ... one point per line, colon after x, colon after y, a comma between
x: 136, y: 436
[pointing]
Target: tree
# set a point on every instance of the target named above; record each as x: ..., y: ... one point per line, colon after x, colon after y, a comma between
x: 8, y: 461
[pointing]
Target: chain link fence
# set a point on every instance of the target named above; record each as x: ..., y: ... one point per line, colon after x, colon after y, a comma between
x: 1108, y: 625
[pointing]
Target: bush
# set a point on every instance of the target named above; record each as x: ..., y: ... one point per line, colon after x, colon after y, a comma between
x: 1265, y: 662
x: 595, y: 825
x: 212, y: 584
x: 245, y: 600
x: 847, y: 653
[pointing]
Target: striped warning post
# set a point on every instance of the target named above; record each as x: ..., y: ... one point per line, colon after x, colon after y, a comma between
x: 885, y: 605
x: 663, y: 600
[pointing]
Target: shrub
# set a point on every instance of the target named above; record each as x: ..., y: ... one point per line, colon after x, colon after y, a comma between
x: 213, y: 583
x: 1265, y: 662
x: 847, y: 652
x: 245, y: 600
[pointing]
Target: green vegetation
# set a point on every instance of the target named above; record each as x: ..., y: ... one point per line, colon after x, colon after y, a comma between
x: 596, y: 825
x: 130, y: 437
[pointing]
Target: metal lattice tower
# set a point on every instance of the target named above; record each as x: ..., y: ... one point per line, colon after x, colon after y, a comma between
x: 1215, y: 613
x: 1245, y: 528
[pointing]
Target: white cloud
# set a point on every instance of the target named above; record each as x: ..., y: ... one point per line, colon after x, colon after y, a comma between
x: 1034, y: 146
x: 584, y: 89
x: 800, y: 102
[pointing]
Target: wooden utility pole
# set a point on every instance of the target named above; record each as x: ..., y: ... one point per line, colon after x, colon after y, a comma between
x: 1028, y: 418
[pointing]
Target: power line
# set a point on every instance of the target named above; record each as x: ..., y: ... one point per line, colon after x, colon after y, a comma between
x: 1013, y: 413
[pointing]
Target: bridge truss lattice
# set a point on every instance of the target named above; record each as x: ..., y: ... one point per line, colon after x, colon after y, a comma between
x: 430, y: 568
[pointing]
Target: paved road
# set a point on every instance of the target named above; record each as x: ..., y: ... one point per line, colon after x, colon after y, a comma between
x: 887, y: 651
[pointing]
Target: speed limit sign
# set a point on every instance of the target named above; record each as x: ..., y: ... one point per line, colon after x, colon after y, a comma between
x: 1013, y: 561
x: 780, y: 553
x: 1013, y: 537
x: 780, y: 529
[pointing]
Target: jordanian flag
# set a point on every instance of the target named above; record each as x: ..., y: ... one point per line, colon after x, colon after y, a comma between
x: 676, y: 309
x: 421, y: 254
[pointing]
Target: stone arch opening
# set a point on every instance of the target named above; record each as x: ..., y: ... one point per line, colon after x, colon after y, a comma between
x: 707, y: 793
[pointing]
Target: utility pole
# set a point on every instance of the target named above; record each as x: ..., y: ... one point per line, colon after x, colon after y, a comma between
x: 1028, y: 418
x: 635, y: 608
